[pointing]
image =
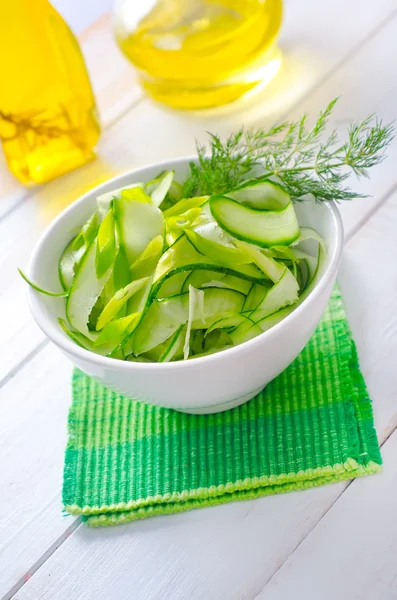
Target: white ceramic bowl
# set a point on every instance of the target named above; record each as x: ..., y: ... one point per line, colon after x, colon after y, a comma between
x: 203, y: 385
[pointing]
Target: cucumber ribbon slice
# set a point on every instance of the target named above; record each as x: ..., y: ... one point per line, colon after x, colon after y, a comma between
x: 264, y: 228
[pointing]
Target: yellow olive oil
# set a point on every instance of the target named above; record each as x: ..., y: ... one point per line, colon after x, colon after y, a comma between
x: 201, y: 53
x: 48, y: 117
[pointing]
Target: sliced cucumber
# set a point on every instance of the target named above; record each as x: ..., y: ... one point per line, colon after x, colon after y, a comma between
x: 182, y: 256
x: 138, y: 221
x: 173, y: 285
x: 175, y: 226
x: 76, y: 336
x: 158, y: 188
x: 261, y: 227
x: 139, y: 303
x: 106, y: 245
x: 104, y: 200
x: 117, y: 302
x: 196, y: 311
x: 146, y: 263
x: 283, y: 293
x: 308, y: 233
x: 164, y: 317
x: 121, y: 272
x: 174, y: 348
x: 244, y: 332
x: 199, y: 277
x: 262, y: 195
x: 231, y: 282
x: 184, y: 205
x: 160, y: 321
x: 272, y: 269
x: 87, y: 232
x: 255, y: 297
x: 224, y: 254
x: 218, y: 302
x: 69, y: 263
x: 84, y: 292
x: 41, y: 290
x: 232, y: 320
x: 269, y: 321
x: 113, y: 333
x: 75, y: 251
x: 140, y: 300
x: 217, y: 340
x: 175, y: 193
x: 197, y: 341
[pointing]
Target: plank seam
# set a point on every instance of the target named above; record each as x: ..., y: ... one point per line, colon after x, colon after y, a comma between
x: 350, y: 54
x: 36, y: 350
x: 43, y: 558
x: 387, y: 437
x: 371, y: 213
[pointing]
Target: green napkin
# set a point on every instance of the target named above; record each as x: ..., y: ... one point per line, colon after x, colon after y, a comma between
x: 312, y: 425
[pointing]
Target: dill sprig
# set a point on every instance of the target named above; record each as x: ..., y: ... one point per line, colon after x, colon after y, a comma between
x: 293, y: 154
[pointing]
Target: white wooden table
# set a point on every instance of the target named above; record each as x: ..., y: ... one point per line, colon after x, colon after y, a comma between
x: 338, y: 542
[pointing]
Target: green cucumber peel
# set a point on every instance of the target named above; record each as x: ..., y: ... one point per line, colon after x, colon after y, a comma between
x: 158, y: 187
x: 182, y: 256
x: 175, y: 345
x: 87, y: 233
x: 196, y: 311
x: 163, y: 317
x: 69, y: 262
x: 85, y: 291
x: 228, y: 321
x: 224, y: 254
x: 264, y: 228
x: 145, y: 264
x: 117, y: 302
x: 308, y: 233
x: 271, y: 269
x: 261, y: 195
x: 106, y: 245
x: 184, y: 205
x: 105, y: 200
x: 41, y: 290
x: 138, y: 221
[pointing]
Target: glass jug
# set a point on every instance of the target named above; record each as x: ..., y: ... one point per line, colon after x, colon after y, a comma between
x: 48, y: 117
x: 200, y: 53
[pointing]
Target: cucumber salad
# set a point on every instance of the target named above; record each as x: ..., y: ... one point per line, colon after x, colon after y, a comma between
x: 156, y: 277
x: 164, y: 272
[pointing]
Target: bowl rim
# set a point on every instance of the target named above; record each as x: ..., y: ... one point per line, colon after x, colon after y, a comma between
x: 59, y: 338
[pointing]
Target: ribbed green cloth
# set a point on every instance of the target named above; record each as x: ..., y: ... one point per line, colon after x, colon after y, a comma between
x: 312, y: 425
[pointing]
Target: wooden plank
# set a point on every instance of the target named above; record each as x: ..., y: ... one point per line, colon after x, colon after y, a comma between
x: 115, y: 87
x: 231, y: 552
x: 128, y: 144
x: 33, y: 417
x: 368, y: 279
x: 352, y: 551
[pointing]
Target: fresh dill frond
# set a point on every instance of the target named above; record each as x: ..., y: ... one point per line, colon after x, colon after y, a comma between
x: 295, y: 155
